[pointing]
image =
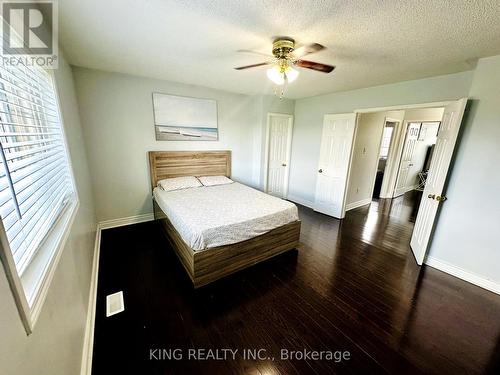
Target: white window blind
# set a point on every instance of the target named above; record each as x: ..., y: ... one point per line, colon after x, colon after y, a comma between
x: 35, y: 177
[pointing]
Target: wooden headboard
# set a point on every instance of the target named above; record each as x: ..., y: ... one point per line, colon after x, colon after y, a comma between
x: 168, y: 164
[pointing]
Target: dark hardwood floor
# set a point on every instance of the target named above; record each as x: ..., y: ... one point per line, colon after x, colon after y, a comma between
x: 352, y: 286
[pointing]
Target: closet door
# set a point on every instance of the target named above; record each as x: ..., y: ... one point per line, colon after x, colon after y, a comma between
x: 278, y: 151
x: 333, y: 167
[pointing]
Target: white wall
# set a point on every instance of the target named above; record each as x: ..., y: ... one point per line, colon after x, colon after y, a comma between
x: 466, y: 237
x: 117, y: 115
x: 309, y: 114
x: 424, y: 114
x: 55, y: 346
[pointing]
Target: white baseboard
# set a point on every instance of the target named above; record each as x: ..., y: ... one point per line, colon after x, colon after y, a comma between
x: 463, y: 274
x: 88, y: 343
x: 113, y: 223
x: 300, y: 201
x: 353, y: 205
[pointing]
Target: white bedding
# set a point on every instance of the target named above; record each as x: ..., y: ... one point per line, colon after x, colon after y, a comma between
x: 211, y: 216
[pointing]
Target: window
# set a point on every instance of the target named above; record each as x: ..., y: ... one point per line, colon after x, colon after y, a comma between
x: 37, y: 193
x: 386, y: 140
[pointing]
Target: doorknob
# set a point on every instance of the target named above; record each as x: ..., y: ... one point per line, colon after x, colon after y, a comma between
x: 440, y: 198
x: 283, y: 165
x: 431, y: 196
x: 320, y: 171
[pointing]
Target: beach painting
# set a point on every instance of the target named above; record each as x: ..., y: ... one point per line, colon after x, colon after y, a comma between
x: 180, y: 118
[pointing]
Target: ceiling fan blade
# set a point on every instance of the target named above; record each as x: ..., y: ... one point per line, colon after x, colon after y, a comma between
x: 314, y: 66
x: 253, y: 65
x: 307, y: 49
x: 255, y: 53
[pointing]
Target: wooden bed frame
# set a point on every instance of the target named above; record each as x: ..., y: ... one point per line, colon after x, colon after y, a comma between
x: 206, y: 266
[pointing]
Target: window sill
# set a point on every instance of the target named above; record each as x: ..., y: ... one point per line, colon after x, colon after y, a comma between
x: 37, y: 277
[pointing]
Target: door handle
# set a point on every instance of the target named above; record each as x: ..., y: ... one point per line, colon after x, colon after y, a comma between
x: 431, y: 196
x: 320, y: 171
x: 441, y: 198
x: 283, y: 165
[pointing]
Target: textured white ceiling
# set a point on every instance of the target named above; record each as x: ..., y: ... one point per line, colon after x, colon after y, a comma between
x: 196, y: 41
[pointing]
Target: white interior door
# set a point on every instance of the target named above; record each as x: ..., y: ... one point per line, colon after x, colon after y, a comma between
x: 402, y: 183
x: 278, y: 151
x: 438, y: 171
x: 334, y: 159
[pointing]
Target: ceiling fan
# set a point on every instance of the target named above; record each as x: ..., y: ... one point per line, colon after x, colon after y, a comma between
x: 285, y: 57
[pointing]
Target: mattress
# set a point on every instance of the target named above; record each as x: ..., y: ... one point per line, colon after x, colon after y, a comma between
x: 212, y: 216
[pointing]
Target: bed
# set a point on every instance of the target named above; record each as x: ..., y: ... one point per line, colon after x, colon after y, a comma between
x: 218, y: 230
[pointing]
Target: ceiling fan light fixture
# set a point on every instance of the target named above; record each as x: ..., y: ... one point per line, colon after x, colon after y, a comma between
x: 284, y: 57
x: 291, y: 74
x: 275, y: 75
x: 279, y: 76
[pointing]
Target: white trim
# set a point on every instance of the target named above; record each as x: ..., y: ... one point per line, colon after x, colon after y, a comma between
x: 14, y: 280
x: 463, y: 274
x: 63, y: 131
x: 391, y: 158
x: 405, y: 106
x: 375, y: 165
x: 88, y: 343
x: 59, y: 239
x: 395, y: 169
x: 302, y: 202
x: 113, y: 223
x: 351, y: 159
x: 357, y: 119
x: 56, y: 240
x: 353, y: 205
x: 288, y: 150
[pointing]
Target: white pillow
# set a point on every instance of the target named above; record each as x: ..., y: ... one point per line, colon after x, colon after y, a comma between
x: 178, y: 183
x: 215, y: 180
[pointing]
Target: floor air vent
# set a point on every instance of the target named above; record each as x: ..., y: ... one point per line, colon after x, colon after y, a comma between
x: 114, y: 304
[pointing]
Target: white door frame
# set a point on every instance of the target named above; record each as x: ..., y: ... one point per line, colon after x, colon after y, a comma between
x: 399, y: 139
x: 351, y: 158
x: 400, y: 107
x: 288, y: 149
x: 391, y: 158
x: 405, y: 106
x: 399, y: 136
